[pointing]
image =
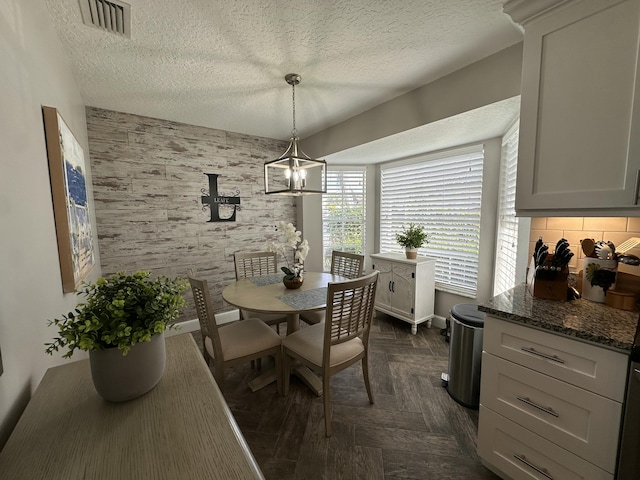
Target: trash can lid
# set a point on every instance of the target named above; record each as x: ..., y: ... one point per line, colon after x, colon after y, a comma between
x: 468, y: 314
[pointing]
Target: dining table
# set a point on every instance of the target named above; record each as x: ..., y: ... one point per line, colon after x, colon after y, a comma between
x: 267, y: 294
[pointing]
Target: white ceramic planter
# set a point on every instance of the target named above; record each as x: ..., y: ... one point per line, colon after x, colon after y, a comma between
x: 597, y: 266
x: 411, y: 252
x: 118, y: 378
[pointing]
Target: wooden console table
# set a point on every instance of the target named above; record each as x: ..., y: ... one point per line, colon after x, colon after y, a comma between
x: 182, y: 429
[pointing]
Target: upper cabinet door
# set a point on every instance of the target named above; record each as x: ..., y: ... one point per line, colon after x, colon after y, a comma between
x: 579, y: 119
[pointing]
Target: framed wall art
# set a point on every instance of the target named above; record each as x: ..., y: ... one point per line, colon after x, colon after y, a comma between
x: 70, y: 202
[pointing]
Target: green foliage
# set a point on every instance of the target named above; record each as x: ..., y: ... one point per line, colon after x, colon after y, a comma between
x: 119, y: 312
x: 343, y: 229
x: 289, y: 274
x: 412, y: 236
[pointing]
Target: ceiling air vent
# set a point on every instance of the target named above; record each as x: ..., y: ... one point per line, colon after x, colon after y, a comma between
x: 112, y: 16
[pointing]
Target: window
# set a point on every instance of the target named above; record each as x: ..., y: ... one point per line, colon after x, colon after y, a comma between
x: 343, y: 212
x: 442, y: 192
x: 508, y: 266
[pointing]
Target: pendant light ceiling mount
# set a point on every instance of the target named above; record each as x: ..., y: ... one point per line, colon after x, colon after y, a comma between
x: 294, y: 172
x: 293, y: 78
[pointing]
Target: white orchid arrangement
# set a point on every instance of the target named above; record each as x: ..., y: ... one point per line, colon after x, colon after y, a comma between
x: 293, y: 239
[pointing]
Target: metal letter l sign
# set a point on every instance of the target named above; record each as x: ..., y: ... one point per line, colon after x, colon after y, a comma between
x: 214, y: 200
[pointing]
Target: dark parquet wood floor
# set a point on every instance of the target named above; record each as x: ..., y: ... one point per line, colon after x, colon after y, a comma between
x: 413, y: 431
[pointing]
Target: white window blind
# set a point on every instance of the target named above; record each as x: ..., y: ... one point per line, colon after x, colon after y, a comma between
x: 442, y: 192
x: 343, y: 213
x: 507, y: 235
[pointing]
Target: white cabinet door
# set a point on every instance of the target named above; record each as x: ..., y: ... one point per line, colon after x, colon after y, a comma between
x: 579, y: 130
x: 385, y: 283
x: 403, y: 289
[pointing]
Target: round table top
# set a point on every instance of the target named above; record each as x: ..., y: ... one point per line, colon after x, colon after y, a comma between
x: 267, y: 294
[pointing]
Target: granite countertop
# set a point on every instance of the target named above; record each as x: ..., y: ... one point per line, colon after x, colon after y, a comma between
x: 583, y: 319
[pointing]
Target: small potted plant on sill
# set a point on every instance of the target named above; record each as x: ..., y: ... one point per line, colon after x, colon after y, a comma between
x: 121, y: 324
x: 412, y: 238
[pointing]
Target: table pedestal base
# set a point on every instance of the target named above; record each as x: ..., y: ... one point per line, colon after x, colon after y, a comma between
x: 303, y: 373
x: 309, y: 378
x: 264, y: 379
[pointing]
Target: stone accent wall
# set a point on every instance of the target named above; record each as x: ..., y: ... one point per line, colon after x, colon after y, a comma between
x: 147, y: 180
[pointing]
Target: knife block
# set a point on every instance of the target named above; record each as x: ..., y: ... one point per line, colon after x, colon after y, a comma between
x: 549, y: 285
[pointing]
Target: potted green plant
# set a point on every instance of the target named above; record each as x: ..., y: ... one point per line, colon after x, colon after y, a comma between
x: 412, y: 238
x: 121, y: 323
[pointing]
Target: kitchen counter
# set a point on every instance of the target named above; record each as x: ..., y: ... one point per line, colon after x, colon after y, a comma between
x: 582, y: 319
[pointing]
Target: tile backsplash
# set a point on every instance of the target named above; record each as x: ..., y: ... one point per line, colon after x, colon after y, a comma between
x: 574, y: 229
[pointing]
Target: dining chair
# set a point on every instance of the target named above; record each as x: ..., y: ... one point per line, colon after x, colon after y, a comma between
x: 348, y: 265
x: 254, y: 264
x: 239, y: 342
x: 329, y: 347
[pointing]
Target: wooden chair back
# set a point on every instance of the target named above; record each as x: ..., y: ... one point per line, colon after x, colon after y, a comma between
x: 348, y: 265
x: 253, y: 264
x: 350, y: 308
x: 206, y: 316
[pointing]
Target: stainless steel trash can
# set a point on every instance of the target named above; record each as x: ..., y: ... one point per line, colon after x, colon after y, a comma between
x: 465, y: 354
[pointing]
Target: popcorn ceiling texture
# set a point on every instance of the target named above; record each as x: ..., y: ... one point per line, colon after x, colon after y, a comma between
x: 221, y: 64
x: 147, y: 181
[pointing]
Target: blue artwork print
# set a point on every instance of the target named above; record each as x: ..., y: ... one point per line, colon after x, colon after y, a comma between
x: 76, y: 184
x: 82, y: 251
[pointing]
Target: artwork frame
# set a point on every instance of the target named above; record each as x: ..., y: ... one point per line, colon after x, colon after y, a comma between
x: 71, y: 206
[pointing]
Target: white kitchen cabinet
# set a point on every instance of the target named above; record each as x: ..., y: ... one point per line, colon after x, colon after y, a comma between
x: 406, y: 287
x: 548, y: 403
x: 579, y: 147
x: 514, y: 452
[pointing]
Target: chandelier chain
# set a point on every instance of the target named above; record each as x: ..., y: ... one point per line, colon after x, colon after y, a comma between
x: 294, y: 131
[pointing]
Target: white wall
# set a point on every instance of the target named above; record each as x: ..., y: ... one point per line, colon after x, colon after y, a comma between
x: 33, y: 72
x: 490, y: 80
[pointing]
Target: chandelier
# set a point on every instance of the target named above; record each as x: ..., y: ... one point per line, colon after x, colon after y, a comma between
x: 294, y: 172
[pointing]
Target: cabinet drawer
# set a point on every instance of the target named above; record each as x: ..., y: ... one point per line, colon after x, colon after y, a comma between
x: 587, y: 366
x: 521, y: 454
x: 584, y: 423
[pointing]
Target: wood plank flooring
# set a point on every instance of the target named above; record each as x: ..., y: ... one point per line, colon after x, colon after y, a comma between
x: 413, y: 431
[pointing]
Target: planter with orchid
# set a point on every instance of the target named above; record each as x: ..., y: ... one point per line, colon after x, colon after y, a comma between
x: 293, y: 272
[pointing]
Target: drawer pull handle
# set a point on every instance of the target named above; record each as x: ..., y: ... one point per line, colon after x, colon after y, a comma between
x: 540, y: 470
x: 532, y: 351
x: 547, y: 410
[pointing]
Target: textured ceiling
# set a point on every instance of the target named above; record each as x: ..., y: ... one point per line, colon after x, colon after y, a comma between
x: 221, y: 64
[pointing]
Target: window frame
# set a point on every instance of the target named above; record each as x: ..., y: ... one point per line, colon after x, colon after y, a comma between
x: 456, y: 244
x: 328, y: 247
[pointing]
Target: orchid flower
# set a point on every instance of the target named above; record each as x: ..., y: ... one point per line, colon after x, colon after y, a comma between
x: 293, y: 239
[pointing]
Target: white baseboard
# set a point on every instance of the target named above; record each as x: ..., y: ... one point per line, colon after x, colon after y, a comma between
x: 233, y: 315
x: 194, y: 325
x: 438, y: 321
